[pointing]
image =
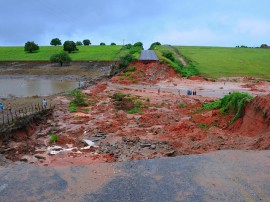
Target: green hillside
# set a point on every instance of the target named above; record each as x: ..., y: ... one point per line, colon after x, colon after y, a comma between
x: 223, y: 62
x: 85, y: 53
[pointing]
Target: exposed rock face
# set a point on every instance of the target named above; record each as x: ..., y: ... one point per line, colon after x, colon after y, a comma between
x: 256, y: 119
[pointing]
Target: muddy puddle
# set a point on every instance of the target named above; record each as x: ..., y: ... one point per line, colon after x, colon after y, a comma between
x: 27, y: 87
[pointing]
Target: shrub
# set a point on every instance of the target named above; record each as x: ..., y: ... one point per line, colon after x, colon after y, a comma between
x: 102, y: 44
x: 135, y: 111
x: 232, y: 103
x: 125, y: 61
x: 79, y: 100
x: 135, y: 49
x: 168, y: 55
x: 53, y: 138
x: 127, y: 103
x: 182, y: 105
x: 75, y: 92
x: 60, y: 58
x: 189, y: 71
x: 138, y: 103
x: 202, y: 125
x: 72, y: 107
x: 118, y: 96
x: 153, y: 45
x: 127, y: 46
x: 131, y: 69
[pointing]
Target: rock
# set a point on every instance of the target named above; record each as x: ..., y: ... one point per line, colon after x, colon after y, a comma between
x: 145, y: 145
x: 40, y: 157
x: 153, y: 146
x: 170, y: 153
x: 23, y: 160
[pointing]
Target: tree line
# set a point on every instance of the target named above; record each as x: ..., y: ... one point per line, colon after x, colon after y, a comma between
x: 68, y: 46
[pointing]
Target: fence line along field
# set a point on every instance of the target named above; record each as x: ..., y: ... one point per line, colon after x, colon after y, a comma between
x: 219, y: 62
x: 85, y: 53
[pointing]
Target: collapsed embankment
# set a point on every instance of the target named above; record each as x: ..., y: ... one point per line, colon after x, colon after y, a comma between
x: 256, y: 119
x: 137, y: 123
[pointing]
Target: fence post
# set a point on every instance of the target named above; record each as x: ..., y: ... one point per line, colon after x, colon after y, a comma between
x: 11, y: 117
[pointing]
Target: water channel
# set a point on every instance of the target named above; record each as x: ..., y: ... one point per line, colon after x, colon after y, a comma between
x: 27, y: 87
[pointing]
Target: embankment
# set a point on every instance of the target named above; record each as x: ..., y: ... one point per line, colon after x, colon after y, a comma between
x: 256, y: 119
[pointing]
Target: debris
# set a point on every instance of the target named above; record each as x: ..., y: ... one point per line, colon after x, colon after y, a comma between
x: 90, y: 143
x: 57, y: 149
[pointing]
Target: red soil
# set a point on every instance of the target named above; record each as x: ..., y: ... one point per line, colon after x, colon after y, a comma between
x: 256, y: 119
x: 162, y: 128
x: 145, y: 73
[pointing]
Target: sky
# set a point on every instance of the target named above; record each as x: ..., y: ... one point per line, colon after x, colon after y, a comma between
x: 176, y: 22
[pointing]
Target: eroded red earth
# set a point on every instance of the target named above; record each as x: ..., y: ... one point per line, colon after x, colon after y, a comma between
x: 167, y: 124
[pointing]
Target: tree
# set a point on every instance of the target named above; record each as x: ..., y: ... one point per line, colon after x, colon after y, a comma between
x: 113, y: 44
x: 56, y: 42
x: 86, y: 42
x: 60, y: 58
x: 128, y: 46
x: 70, y: 46
x: 264, y: 46
x: 30, y: 46
x: 153, y: 45
x: 138, y: 44
x: 79, y: 43
x: 102, y: 44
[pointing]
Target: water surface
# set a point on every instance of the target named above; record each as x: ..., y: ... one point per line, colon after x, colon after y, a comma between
x: 20, y: 87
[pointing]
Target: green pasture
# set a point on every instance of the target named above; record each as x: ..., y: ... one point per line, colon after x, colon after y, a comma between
x: 219, y: 62
x: 85, y: 53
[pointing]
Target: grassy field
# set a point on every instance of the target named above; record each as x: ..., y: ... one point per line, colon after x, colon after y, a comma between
x: 219, y: 62
x: 85, y: 53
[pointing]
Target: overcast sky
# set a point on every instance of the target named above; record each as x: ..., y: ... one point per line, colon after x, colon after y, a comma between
x: 175, y: 22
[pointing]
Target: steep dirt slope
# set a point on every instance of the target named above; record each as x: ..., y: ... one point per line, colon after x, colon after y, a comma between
x: 145, y: 73
x: 256, y: 119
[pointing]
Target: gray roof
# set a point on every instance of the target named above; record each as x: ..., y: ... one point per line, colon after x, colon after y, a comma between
x: 148, y: 55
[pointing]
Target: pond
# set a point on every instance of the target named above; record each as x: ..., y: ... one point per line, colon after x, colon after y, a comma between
x: 27, y: 87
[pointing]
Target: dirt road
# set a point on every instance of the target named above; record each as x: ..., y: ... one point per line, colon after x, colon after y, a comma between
x: 208, y: 89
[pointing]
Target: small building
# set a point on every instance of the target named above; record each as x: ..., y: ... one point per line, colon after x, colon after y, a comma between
x: 148, y: 56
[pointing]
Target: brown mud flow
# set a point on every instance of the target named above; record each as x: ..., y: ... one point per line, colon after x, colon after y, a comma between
x: 122, y: 124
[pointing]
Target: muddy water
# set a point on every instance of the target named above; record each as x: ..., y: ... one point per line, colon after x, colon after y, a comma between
x: 20, y: 87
